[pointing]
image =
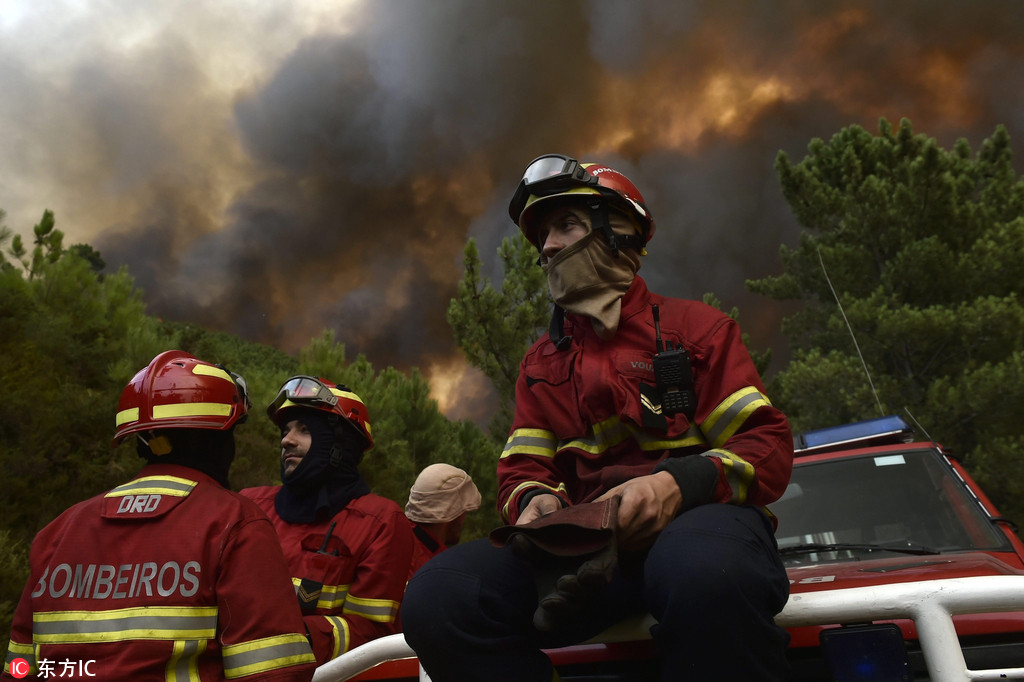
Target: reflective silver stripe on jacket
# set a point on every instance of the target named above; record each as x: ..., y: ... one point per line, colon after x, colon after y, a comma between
x: 377, y: 610
x: 117, y: 625
x: 184, y: 663
x: 726, y: 419
x: 160, y: 485
x: 262, y: 655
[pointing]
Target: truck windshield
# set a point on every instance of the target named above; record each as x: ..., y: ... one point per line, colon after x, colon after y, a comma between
x: 903, y: 500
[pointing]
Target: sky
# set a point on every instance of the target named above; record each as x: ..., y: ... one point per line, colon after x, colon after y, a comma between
x: 272, y: 168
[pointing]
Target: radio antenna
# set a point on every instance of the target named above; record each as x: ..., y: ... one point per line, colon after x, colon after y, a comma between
x: 923, y: 430
x: 821, y: 260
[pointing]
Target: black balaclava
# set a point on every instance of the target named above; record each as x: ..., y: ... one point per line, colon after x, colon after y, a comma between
x: 207, y: 450
x: 320, y: 486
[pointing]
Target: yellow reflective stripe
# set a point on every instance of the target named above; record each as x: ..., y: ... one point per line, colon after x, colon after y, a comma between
x: 726, y: 419
x: 613, y: 432
x: 211, y: 371
x: 192, y: 410
x: 162, y: 485
x: 377, y: 610
x: 339, y: 634
x: 531, y: 484
x: 22, y: 650
x: 348, y: 395
x: 124, y: 416
x: 352, y: 396
x: 738, y: 471
x: 183, y: 665
x: 263, y: 655
x: 603, y: 436
x: 116, y: 625
x: 649, y: 442
x: 538, y: 442
x: 17, y: 650
x: 332, y: 597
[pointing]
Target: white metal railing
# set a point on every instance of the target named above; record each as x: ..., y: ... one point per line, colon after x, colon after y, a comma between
x: 931, y: 604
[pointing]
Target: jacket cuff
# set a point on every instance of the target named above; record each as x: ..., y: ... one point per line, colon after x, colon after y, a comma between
x: 525, y: 498
x: 696, y: 476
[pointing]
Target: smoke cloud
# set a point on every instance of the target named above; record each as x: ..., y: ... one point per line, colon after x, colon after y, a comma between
x: 274, y: 169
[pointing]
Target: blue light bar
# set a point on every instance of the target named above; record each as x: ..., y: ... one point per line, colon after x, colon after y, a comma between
x: 891, y: 429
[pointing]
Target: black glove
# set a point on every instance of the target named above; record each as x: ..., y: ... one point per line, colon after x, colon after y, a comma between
x: 574, y: 591
x: 573, y: 554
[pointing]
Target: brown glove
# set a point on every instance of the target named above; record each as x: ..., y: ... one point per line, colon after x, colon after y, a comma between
x: 573, y: 552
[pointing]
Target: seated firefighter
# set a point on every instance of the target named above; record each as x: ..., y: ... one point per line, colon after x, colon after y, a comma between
x: 348, y: 550
x: 642, y: 427
x: 439, y: 500
x: 169, y: 575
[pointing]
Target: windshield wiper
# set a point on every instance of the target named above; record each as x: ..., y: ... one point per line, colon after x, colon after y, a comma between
x: 840, y: 546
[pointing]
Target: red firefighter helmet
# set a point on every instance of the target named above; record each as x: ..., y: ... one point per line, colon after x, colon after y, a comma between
x: 178, y: 391
x: 557, y: 175
x: 324, y: 395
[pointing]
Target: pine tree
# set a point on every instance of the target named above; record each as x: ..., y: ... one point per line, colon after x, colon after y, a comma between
x: 910, y: 268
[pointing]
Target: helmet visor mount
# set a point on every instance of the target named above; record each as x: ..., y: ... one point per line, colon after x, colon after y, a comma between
x: 546, y: 175
x: 303, y: 390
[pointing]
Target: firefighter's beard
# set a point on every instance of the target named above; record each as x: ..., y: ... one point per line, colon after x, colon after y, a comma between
x: 586, y: 278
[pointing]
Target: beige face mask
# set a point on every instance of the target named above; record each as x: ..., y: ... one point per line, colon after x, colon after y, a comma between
x: 586, y: 278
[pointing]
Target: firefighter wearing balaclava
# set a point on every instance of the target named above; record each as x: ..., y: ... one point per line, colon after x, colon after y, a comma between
x: 348, y: 550
x: 632, y: 398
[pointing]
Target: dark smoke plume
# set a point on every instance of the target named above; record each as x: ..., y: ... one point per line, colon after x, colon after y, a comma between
x: 338, y: 187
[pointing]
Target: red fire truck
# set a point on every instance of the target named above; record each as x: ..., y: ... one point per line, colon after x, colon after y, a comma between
x: 901, y: 570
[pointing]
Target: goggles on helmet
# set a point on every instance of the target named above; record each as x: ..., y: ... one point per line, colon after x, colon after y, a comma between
x: 548, y: 174
x: 243, y: 389
x: 303, y: 390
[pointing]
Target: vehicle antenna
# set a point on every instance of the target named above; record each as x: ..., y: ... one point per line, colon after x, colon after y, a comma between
x: 918, y: 424
x: 821, y: 260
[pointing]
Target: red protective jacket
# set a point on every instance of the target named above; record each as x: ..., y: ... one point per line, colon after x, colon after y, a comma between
x: 167, y: 577
x: 585, y: 420
x: 425, y: 547
x: 362, y: 569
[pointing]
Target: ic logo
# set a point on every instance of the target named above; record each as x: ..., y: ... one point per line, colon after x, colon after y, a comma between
x: 19, y: 668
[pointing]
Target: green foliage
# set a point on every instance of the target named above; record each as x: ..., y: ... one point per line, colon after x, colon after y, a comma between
x: 13, y: 574
x: 761, y: 359
x: 910, y: 269
x: 495, y: 328
x: 68, y: 345
x: 70, y: 340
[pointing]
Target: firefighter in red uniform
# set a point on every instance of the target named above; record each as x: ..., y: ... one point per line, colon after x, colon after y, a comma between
x: 348, y: 550
x: 169, y: 576
x: 653, y: 401
x: 439, y: 500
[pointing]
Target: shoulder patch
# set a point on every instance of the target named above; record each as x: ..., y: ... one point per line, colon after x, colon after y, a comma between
x: 146, y: 497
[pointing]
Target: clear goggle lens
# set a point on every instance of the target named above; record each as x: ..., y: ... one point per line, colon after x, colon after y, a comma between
x: 548, y: 167
x: 548, y: 174
x: 304, y: 390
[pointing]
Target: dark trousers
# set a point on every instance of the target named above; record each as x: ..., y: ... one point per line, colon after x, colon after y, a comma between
x: 713, y: 580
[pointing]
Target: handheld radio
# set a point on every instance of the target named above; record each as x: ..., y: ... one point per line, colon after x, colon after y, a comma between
x: 673, y: 375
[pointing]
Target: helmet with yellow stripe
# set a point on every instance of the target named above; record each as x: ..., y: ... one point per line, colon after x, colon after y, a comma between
x: 557, y: 177
x: 179, y: 391
x: 325, y: 396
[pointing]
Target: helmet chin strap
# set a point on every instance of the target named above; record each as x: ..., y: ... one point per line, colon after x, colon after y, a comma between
x: 599, y: 221
x: 344, y: 440
x: 556, y: 330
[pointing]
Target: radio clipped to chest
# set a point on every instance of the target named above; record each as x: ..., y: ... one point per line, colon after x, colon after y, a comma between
x: 673, y: 375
